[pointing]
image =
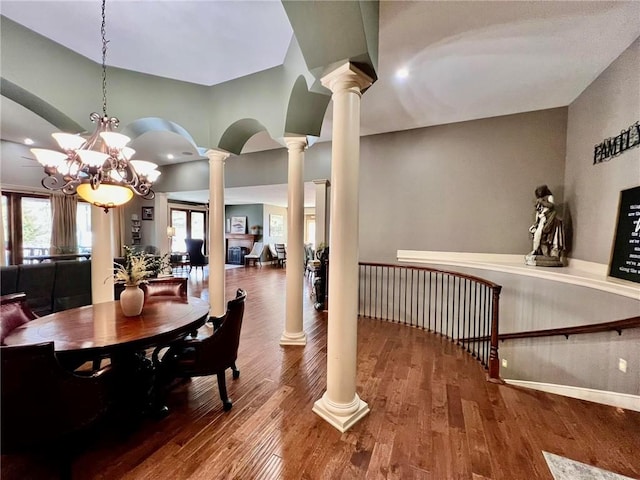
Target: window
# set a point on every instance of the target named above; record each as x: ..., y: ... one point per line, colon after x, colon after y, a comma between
x: 83, y: 222
x: 189, y: 223
x: 27, y: 222
x: 310, y: 230
x: 5, y: 229
x: 36, y: 226
x: 179, y: 222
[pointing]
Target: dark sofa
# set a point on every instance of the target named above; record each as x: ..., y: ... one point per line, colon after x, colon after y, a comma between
x: 50, y: 287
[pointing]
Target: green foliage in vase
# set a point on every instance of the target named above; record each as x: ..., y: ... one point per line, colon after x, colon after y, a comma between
x: 135, y: 269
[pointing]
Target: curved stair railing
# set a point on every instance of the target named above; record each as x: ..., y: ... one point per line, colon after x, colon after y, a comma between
x: 615, y: 325
x: 462, y: 308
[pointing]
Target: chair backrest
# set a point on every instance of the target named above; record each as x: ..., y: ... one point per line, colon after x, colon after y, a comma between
x: 272, y: 251
x: 220, y: 350
x: 168, y: 287
x: 41, y: 401
x: 281, y: 251
x: 194, y: 249
x: 13, y: 313
x: 257, y: 249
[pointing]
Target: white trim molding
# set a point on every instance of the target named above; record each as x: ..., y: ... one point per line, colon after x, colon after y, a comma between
x: 614, y: 399
x: 578, y: 272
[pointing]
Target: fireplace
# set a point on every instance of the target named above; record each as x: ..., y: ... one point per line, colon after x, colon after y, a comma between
x: 244, y: 241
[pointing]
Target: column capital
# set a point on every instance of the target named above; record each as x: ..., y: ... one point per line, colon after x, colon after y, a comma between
x: 346, y: 76
x: 215, y: 154
x: 298, y: 142
x: 323, y: 181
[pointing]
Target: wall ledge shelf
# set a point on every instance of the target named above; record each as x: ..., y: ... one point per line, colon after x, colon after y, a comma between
x: 578, y: 272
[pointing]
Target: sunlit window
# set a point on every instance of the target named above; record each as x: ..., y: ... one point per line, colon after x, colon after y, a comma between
x: 83, y: 223
x: 36, y: 226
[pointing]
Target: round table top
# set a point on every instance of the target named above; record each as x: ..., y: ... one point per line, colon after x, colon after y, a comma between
x: 102, y: 328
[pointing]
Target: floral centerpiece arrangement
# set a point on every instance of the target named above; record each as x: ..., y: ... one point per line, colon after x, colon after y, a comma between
x: 159, y: 265
x: 135, y: 269
x: 134, y: 272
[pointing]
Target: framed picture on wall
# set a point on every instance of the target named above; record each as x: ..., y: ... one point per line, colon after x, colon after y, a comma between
x: 147, y: 213
x: 238, y: 224
x: 276, y: 225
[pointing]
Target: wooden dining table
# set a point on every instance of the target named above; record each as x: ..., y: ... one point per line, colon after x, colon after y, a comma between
x: 102, y: 331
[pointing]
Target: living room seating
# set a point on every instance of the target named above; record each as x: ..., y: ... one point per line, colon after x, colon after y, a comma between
x: 281, y: 254
x: 167, y: 286
x: 255, y: 255
x: 196, y: 257
x: 50, y: 286
x: 211, y: 351
x: 42, y: 403
x: 13, y: 313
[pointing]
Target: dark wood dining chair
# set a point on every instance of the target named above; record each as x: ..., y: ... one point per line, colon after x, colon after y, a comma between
x: 14, y: 312
x: 211, y: 351
x: 166, y: 287
x: 42, y: 403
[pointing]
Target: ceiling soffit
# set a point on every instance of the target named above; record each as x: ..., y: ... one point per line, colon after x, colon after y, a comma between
x: 330, y: 32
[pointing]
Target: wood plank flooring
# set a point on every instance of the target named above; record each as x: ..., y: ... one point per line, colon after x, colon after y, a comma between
x: 433, y: 415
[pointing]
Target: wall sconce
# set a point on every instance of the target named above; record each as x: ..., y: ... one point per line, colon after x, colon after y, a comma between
x: 171, y: 232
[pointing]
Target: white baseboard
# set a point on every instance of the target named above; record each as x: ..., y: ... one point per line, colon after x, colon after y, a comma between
x: 622, y: 400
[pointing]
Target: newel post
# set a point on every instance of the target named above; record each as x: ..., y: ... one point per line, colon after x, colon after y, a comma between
x: 494, y: 361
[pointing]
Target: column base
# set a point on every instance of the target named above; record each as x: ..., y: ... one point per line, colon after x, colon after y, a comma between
x: 299, y: 338
x: 342, y: 417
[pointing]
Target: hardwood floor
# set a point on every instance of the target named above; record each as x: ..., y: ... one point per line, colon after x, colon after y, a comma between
x: 433, y: 415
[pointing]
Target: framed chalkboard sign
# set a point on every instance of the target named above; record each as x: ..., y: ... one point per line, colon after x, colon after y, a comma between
x: 625, y: 257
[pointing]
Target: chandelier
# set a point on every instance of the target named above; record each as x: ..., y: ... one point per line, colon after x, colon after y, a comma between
x: 98, y: 168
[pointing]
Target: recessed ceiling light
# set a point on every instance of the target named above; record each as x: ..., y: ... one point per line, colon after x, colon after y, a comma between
x: 402, y: 73
x: 28, y: 141
x: 170, y: 156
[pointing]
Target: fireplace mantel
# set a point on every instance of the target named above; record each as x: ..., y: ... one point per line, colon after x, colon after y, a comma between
x: 238, y: 240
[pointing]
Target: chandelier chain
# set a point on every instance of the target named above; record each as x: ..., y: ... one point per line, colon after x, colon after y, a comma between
x: 97, y: 167
x: 104, y: 59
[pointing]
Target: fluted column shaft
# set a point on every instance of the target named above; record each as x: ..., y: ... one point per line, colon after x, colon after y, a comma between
x: 216, y: 232
x: 294, y: 332
x: 340, y: 404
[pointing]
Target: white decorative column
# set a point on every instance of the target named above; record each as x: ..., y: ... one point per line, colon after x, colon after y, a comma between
x: 293, y: 331
x: 321, y: 212
x: 218, y: 305
x: 161, y: 214
x: 340, y: 404
x: 101, y: 256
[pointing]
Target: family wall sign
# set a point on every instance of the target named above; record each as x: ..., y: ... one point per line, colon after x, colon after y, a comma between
x: 614, y: 146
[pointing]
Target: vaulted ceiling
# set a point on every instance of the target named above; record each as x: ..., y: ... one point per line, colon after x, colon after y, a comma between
x: 463, y: 60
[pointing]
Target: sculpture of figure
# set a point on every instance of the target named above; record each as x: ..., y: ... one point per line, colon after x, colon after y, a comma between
x: 547, y: 231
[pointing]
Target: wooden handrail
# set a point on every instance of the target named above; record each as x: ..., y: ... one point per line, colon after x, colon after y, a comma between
x: 430, y: 269
x: 616, y: 325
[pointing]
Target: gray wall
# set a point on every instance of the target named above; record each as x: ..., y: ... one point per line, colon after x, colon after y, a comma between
x: 249, y: 169
x: 463, y: 187
x: 254, y: 214
x: 610, y: 104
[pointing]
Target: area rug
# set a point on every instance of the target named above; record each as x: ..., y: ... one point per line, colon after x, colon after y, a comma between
x: 565, y: 469
x: 229, y: 267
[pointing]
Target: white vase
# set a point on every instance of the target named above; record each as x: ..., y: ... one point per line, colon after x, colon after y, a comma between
x: 132, y: 300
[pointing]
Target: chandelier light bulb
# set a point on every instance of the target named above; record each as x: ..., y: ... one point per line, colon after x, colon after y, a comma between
x: 49, y: 158
x: 68, y: 141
